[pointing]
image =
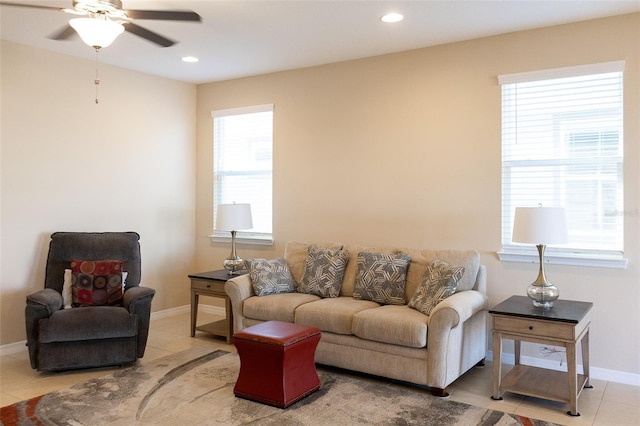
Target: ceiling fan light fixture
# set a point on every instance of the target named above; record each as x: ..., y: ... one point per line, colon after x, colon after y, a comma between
x: 392, y: 17
x: 97, y: 33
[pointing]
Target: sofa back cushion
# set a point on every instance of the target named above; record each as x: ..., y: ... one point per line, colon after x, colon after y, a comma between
x: 296, y: 255
x: 469, y: 259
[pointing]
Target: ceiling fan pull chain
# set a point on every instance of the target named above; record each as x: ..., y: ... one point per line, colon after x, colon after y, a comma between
x: 97, y: 80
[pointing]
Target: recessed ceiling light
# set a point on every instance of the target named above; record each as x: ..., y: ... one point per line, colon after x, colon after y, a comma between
x: 190, y: 59
x: 392, y: 17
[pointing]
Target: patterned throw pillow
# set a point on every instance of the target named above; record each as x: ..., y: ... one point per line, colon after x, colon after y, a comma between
x: 67, y: 296
x: 381, y: 277
x: 438, y: 282
x: 323, y: 271
x: 96, y: 282
x: 270, y: 276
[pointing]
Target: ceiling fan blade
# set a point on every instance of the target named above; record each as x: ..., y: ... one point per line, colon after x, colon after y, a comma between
x: 148, y: 35
x: 64, y: 34
x: 32, y: 6
x: 166, y: 15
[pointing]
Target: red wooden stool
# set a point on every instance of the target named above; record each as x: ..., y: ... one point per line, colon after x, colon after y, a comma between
x: 277, y: 362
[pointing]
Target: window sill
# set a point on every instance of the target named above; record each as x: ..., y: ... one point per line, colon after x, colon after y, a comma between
x: 252, y: 239
x: 597, y: 261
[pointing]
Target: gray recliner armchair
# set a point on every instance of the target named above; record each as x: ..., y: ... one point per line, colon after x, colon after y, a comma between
x: 92, y: 336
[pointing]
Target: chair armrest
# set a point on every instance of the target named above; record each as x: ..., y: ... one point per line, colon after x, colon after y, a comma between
x: 238, y: 289
x: 136, y: 296
x: 40, y: 304
x: 48, y: 298
x: 137, y: 300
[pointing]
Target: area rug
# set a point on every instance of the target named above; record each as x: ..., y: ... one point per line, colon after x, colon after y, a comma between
x: 195, y: 387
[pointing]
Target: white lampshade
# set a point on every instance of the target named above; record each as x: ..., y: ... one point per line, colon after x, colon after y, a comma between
x: 233, y: 217
x: 97, y: 32
x: 540, y: 225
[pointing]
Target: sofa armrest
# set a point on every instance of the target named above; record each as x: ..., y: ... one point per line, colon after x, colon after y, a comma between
x: 458, y: 308
x: 238, y: 289
x: 447, y: 334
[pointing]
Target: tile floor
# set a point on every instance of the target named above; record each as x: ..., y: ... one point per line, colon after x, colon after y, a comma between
x: 608, y: 403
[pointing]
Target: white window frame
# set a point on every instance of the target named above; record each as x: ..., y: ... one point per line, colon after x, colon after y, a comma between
x: 513, y: 252
x: 249, y: 236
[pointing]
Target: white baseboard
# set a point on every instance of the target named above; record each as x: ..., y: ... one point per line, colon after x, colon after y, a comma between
x: 550, y: 364
x: 171, y: 312
x: 13, y: 348
x: 214, y: 310
x: 507, y: 358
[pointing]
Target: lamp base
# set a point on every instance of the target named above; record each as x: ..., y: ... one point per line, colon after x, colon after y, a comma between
x: 541, y: 291
x: 233, y: 265
x: 543, y: 296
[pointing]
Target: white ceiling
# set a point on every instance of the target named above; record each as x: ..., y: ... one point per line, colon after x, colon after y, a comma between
x: 240, y: 38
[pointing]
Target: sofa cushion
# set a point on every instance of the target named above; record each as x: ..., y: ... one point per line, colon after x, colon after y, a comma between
x: 280, y: 307
x: 395, y: 324
x: 334, y: 315
x: 96, y: 282
x: 296, y: 252
x: 323, y: 271
x: 439, y: 282
x: 270, y: 276
x: 469, y: 259
x: 381, y: 277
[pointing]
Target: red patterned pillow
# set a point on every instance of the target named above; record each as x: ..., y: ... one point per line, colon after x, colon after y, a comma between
x: 96, y: 282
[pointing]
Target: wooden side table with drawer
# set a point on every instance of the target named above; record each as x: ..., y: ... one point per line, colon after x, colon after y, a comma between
x: 565, y: 324
x: 211, y: 284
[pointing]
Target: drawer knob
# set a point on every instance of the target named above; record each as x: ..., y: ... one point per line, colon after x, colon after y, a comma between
x: 530, y: 327
x: 208, y: 285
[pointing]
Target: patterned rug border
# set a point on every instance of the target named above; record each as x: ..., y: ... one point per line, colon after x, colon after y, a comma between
x: 182, y: 388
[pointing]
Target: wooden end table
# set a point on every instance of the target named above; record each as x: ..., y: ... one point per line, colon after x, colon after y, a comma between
x: 211, y: 284
x: 565, y: 324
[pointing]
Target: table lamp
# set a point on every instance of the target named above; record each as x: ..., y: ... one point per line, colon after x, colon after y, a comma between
x: 540, y: 226
x: 233, y: 217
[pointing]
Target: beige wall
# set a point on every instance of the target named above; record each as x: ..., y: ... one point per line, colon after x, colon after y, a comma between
x: 71, y: 165
x: 404, y: 149
x: 401, y: 149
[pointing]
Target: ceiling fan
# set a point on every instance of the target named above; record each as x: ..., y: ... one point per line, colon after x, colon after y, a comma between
x: 104, y: 20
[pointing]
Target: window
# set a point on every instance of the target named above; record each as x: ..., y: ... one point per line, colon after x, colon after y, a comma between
x: 562, y: 146
x: 243, y: 167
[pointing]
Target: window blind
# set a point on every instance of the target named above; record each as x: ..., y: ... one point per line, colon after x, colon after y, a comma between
x: 562, y: 146
x: 243, y: 166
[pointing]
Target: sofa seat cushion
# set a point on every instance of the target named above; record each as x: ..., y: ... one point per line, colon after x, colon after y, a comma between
x: 334, y: 314
x: 88, y: 323
x: 278, y: 307
x: 395, y: 324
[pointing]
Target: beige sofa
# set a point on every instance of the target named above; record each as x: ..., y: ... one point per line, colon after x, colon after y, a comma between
x: 392, y: 341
